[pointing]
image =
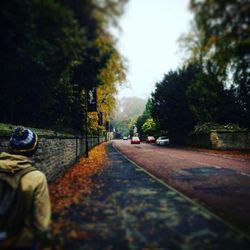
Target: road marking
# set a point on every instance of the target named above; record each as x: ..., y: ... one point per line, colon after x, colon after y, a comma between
x: 184, y: 196
x: 245, y: 174
x: 204, y: 164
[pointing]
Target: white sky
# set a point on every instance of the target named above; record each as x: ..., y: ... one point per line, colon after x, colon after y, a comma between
x: 148, y: 40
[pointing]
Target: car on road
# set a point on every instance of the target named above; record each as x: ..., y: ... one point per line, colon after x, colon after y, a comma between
x: 125, y: 138
x: 135, y: 140
x: 163, y: 140
x: 150, y: 139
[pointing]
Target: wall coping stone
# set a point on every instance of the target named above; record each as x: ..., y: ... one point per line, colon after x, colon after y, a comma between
x: 221, y: 131
x: 229, y: 131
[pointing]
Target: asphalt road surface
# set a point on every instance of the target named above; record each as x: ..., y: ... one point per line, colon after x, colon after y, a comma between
x: 221, y: 183
x: 129, y: 209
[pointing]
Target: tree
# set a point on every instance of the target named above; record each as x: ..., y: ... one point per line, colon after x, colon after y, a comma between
x: 147, y: 114
x: 227, y: 29
x: 220, y: 35
x: 193, y: 45
x: 225, y: 25
x: 170, y: 104
x: 242, y: 82
x: 100, y: 65
x: 36, y: 50
x: 127, y: 112
x: 230, y: 110
x: 112, y: 75
x: 204, y: 95
x: 52, y: 51
x: 149, y: 127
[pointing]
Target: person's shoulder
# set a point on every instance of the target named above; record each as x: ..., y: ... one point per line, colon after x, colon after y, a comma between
x: 36, y: 177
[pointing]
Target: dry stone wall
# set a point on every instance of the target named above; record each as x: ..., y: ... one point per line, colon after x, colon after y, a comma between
x: 239, y: 140
x: 56, y: 154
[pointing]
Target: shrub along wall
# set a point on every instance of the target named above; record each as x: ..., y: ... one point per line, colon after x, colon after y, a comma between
x: 239, y: 140
x: 56, y: 154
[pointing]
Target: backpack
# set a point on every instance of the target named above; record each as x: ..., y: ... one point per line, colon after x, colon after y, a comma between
x: 12, y: 204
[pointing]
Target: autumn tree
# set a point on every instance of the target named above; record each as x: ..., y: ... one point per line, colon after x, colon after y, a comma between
x: 225, y: 29
x: 225, y: 25
x: 51, y: 53
x: 192, y: 45
x: 100, y: 65
x: 110, y: 77
x: 149, y: 126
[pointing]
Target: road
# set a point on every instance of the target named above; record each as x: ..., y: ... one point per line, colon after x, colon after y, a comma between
x: 221, y: 183
x: 129, y: 209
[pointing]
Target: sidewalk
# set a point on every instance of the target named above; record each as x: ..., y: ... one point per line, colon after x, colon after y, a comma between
x: 129, y: 209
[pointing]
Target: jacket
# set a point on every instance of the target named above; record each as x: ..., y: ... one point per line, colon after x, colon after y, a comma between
x: 34, y: 183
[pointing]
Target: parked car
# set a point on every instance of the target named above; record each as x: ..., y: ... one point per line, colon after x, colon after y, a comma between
x: 135, y: 140
x: 163, y: 140
x: 125, y: 137
x: 150, y: 139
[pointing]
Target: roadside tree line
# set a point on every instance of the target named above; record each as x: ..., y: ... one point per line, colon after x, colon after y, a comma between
x: 213, y: 85
x: 51, y: 53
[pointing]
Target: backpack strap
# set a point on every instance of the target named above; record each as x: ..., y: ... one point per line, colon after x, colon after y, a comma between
x: 24, y: 171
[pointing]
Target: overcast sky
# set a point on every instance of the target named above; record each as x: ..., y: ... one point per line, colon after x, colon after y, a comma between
x: 150, y: 29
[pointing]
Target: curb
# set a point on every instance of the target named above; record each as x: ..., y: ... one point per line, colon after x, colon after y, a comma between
x: 233, y: 228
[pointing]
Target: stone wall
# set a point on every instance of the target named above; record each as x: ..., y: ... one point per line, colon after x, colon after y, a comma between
x: 230, y: 140
x: 239, y: 140
x: 56, y: 154
x: 199, y: 140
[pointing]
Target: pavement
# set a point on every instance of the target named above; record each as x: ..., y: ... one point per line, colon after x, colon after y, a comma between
x: 131, y: 209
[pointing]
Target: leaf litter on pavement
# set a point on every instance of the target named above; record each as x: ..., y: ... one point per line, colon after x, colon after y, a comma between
x: 124, y: 208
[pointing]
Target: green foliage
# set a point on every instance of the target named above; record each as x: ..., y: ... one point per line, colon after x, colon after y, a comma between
x: 242, y: 91
x: 170, y: 104
x: 200, y: 92
x: 193, y: 96
x: 50, y: 54
x: 148, y: 108
x: 204, y: 95
x: 140, y: 121
x: 36, y: 50
x: 226, y: 30
x: 224, y: 33
x: 144, y: 117
x: 149, y: 127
